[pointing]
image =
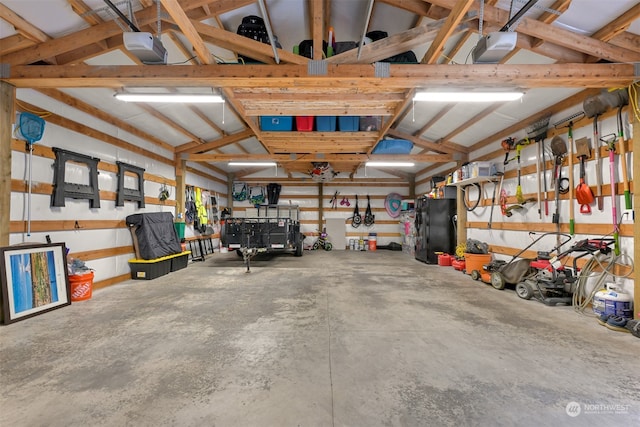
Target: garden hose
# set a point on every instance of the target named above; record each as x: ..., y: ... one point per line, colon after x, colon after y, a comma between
x: 467, y: 202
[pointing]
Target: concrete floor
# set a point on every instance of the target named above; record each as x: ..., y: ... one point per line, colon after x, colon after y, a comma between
x: 330, y: 339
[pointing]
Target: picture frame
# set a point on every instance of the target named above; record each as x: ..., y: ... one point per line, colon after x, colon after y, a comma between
x: 34, y: 280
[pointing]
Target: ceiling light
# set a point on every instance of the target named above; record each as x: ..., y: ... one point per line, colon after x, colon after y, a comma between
x: 252, y: 164
x: 390, y: 164
x: 467, y: 96
x: 169, y: 97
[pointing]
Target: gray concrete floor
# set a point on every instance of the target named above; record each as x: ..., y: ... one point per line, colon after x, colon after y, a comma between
x: 329, y: 339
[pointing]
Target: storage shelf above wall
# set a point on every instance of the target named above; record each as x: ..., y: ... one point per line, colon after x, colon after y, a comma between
x: 475, y: 180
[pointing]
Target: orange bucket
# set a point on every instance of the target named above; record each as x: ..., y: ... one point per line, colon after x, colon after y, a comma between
x: 475, y: 262
x: 81, y: 286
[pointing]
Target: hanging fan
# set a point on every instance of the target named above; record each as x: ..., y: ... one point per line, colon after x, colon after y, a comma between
x: 31, y: 128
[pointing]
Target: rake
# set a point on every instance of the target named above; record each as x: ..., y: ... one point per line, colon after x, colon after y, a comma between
x: 537, y: 131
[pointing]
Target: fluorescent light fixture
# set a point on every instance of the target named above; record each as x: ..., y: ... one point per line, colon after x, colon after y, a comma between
x: 467, y: 96
x: 169, y: 97
x: 390, y: 164
x: 252, y: 164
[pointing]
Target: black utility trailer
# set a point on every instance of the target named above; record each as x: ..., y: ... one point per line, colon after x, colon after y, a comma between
x: 264, y: 229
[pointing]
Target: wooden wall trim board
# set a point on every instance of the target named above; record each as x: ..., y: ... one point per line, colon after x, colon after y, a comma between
x: 111, y: 281
x: 47, y: 152
x: 18, y: 185
x: 66, y: 225
x: 345, y: 182
x: 626, y: 230
x: 348, y: 221
x: 366, y: 233
x: 103, y: 253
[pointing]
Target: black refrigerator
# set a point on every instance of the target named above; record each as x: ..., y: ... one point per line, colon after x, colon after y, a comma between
x: 435, y: 228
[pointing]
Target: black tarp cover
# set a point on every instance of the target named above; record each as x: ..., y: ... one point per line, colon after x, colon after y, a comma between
x: 155, y: 233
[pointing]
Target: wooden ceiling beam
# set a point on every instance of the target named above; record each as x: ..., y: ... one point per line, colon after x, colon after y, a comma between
x: 292, y: 76
x: 456, y: 48
x: 14, y: 43
x: 450, y: 26
x: 97, y: 33
x: 566, y: 103
x: 472, y: 121
x: 556, y: 35
x: 85, y: 12
x: 101, y: 115
x: 217, y: 143
x: 246, y: 46
x: 317, y: 29
x: 618, y: 25
x: 438, y: 147
x: 22, y: 26
x: 166, y: 120
x: 435, y: 119
x: 180, y: 17
x: 560, y: 6
x: 396, y: 43
x: 189, y: 56
x: 626, y: 40
x: 286, y: 158
x: 242, y: 114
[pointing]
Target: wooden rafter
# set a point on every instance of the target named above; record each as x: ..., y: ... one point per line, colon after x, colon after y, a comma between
x: 101, y: 115
x: 397, y: 43
x: 173, y: 35
x: 439, y: 115
x: 559, y: 6
x: 97, y: 33
x: 22, y: 26
x: 450, y: 26
x: 437, y: 147
x: 190, y: 148
x: 556, y: 35
x: 317, y: 28
x: 618, y: 25
x: 182, y: 20
x: 166, y: 120
x: 84, y: 11
x: 14, y: 43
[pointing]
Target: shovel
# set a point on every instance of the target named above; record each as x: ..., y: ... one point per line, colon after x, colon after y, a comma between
x: 559, y: 149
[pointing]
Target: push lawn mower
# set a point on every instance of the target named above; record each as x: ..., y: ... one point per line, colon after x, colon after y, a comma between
x: 517, y: 269
x: 553, y: 283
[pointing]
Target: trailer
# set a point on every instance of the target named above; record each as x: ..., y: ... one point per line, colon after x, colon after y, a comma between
x: 263, y: 229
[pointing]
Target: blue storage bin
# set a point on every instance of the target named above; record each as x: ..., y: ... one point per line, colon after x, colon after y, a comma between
x: 349, y: 123
x: 326, y: 123
x: 393, y: 146
x: 276, y: 123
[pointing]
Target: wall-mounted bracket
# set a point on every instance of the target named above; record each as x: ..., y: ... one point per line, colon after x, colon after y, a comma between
x: 130, y: 194
x: 62, y: 189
